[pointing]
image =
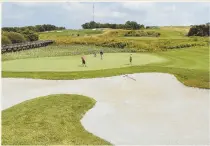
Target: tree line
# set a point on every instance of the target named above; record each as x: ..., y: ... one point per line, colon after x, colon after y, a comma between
x: 12, y: 35
x: 128, y: 25
x: 199, y: 30
x: 36, y: 28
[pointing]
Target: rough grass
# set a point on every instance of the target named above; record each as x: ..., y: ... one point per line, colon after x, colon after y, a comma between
x: 49, y: 120
x: 170, y: 38
x: 61, y: 50
x: 68, y: 33
x: 136, y: 45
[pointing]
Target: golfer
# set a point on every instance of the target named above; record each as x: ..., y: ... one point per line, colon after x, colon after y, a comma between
x: 94, y: 54
x: 131, y: 59
x: 101, y: 53
x: 83, y: 61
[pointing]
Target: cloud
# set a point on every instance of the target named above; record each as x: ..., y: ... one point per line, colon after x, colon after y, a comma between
x: 73, y: 14
x: 138, y: 5
x: 28, y: 4
x: 119, y: 14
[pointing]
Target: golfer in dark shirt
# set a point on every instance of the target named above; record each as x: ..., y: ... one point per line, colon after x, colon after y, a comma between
x: 101, y: 53
x: 83, y: 61
x: 131, y: 59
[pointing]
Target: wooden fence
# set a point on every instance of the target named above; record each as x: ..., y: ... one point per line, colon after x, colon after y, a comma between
x: 25, y: 46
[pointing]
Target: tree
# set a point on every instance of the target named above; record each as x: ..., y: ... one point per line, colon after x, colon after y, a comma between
x: 128, y: 25
x: 39, y: 28
x: 86, y: 26
x: 93, y: 24
x: 120, y: 26
x: 132, y: 25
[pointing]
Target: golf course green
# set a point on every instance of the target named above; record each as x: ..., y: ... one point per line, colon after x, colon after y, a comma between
x: 73, y: 63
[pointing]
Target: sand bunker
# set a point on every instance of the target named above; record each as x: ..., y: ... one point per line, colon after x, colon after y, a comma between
x: 155, y: 109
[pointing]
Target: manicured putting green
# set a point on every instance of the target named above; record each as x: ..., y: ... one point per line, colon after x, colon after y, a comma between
x: 73, y: 63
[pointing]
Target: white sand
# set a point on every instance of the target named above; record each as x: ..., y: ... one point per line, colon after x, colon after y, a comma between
x: 155, y: 109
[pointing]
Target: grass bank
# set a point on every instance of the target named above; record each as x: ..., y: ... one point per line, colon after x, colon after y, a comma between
x: 189, y: 77
x: 49, y: 120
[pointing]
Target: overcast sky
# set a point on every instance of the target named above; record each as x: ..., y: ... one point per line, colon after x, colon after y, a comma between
x: 73, y: 14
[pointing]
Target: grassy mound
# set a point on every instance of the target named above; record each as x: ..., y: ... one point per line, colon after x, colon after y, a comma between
x: 146, y: 40
x: 68, y: 33
x: 49, y: 120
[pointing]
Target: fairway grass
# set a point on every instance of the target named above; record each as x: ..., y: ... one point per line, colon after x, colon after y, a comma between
x: 49, y: 120
x: 188, y: 58
x: 73, y: 63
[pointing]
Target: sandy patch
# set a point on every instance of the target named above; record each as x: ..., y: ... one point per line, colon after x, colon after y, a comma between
x: 154, y: 109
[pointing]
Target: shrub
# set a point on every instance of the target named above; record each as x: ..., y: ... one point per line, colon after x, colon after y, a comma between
x: 15, y: 37
x: 195, y: 39
x: 5, y: 40
x: 199, y: 30
x: 141, y: 34
x: 30, y: 35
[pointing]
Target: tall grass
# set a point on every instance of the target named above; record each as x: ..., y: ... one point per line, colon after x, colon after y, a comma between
x: 60, y: 50
x: 115, y: 39
x: 137, y: 45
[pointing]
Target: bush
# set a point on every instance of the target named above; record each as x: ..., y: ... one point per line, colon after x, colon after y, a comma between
x: 15, y: 37
x: 195, y: 39
x: 152, y: 27
x: 30, y: 35
x: 141, y: 34
x: 184, y: 45
x: 199, y: 30
x: 5, y: 40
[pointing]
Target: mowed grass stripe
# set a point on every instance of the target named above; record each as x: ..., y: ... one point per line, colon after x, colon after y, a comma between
x: 190, y: 58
